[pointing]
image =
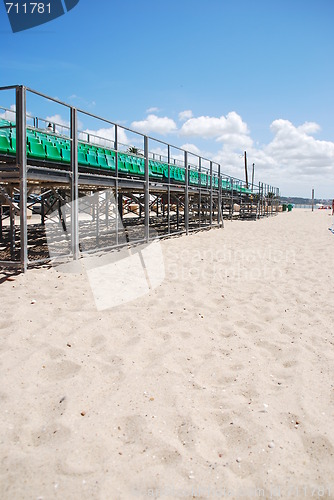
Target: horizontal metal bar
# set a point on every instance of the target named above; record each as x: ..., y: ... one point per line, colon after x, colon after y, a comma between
x: 9, y: 263
x: 9, y: 87
x: 48, y: 97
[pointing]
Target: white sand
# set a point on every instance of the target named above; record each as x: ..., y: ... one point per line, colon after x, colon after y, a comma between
x: 222, y: 377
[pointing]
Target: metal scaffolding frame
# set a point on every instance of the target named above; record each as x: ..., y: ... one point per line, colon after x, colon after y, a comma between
x: 178, y: 207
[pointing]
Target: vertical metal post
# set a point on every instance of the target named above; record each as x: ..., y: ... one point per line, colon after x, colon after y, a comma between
x: 211, y: 187
x: 74, y: 185
x: 116, y: 183
x: 177, y: 213
x: 0, y: 221
x: 120, y: 206
x: 199, y: 192
x: 42, y: 208
x: 12, y: 225
x: 97, y: 203
x: 220, y: 213
x: 232, y: 199
x: 107, y: 209
x: 246, y: 170
x: 186, y: 193
x: 168, y: 189
x: 21, y: 160
x: 147, y: 191
x: 312, y: 200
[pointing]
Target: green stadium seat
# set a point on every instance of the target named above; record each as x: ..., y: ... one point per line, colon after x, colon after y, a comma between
x: 36, y: 150
x: 92, y: 159
x: 101, y: 160
x: 52, y: 153
x: 65, y: 155
x: 13, y: 143
x: 30, y: 133
x: 82, y: 158
x: 122, y: 163
x: 110, y: 152
x: 4, y: 143
x: 135, y: 168
x: 111, y: 162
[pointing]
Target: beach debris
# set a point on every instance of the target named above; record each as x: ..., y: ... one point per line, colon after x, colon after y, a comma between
x: 83, y: 413
x: 238, y: 460
x: 265, y: 408
x: 62, y: 399
x: 271, y: 444
x: 151, y: 399
x: 33, y: 301
x: 68, y: 345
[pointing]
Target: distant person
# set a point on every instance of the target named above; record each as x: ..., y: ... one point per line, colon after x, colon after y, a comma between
x: 50, y: 127
x: 333, y: 207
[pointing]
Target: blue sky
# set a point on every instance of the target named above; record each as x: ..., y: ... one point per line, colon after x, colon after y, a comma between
x: 253, y: 75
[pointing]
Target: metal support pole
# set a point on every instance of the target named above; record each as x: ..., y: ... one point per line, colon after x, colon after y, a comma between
x: 147, y: 191
x: 312, y: 200
x: 116, y: 183
x: 220, y: 213
x: 177, y: 214
x: 232, y: 199
x: 120, y: 205
x: 107, y: 209
x: 74, y: 185
x: 200, y: 192
x: 186, y: 193
x: 21, y: 160
x: 42, y: 208
x: 97, y: 204
x: 12, y: 227
x: 211, y: 187
x: 246, y: 170
x: 0, y: 221
x: 168, y: 189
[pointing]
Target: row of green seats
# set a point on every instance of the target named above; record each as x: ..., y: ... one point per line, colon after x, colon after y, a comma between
x: 48, y: 146
x: 6, y: 144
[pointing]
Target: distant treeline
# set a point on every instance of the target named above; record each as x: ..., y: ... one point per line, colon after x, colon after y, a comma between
x: 304, y: 201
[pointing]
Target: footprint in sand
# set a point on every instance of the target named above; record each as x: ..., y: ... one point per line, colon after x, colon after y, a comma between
x: 51, y: 435
x: 60, y: 370
x: 318, y: 448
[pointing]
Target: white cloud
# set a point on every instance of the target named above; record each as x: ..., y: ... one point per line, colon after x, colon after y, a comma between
x: 58, y: 120
x: 9, y: 114
x: 185, y: 115
x: 104, y: 136
x: 309, y: 127
x: 231, y: 130
x: 192, y: 148
x: 152, y: 110
x: 155, y: 124
x: 295, y: 147
x: 212, y: 127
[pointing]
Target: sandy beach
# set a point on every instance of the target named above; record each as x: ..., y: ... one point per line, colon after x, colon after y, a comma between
x: 218, y: 383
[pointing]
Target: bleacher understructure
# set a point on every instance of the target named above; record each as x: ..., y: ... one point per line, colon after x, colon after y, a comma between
x: 96, y: 193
